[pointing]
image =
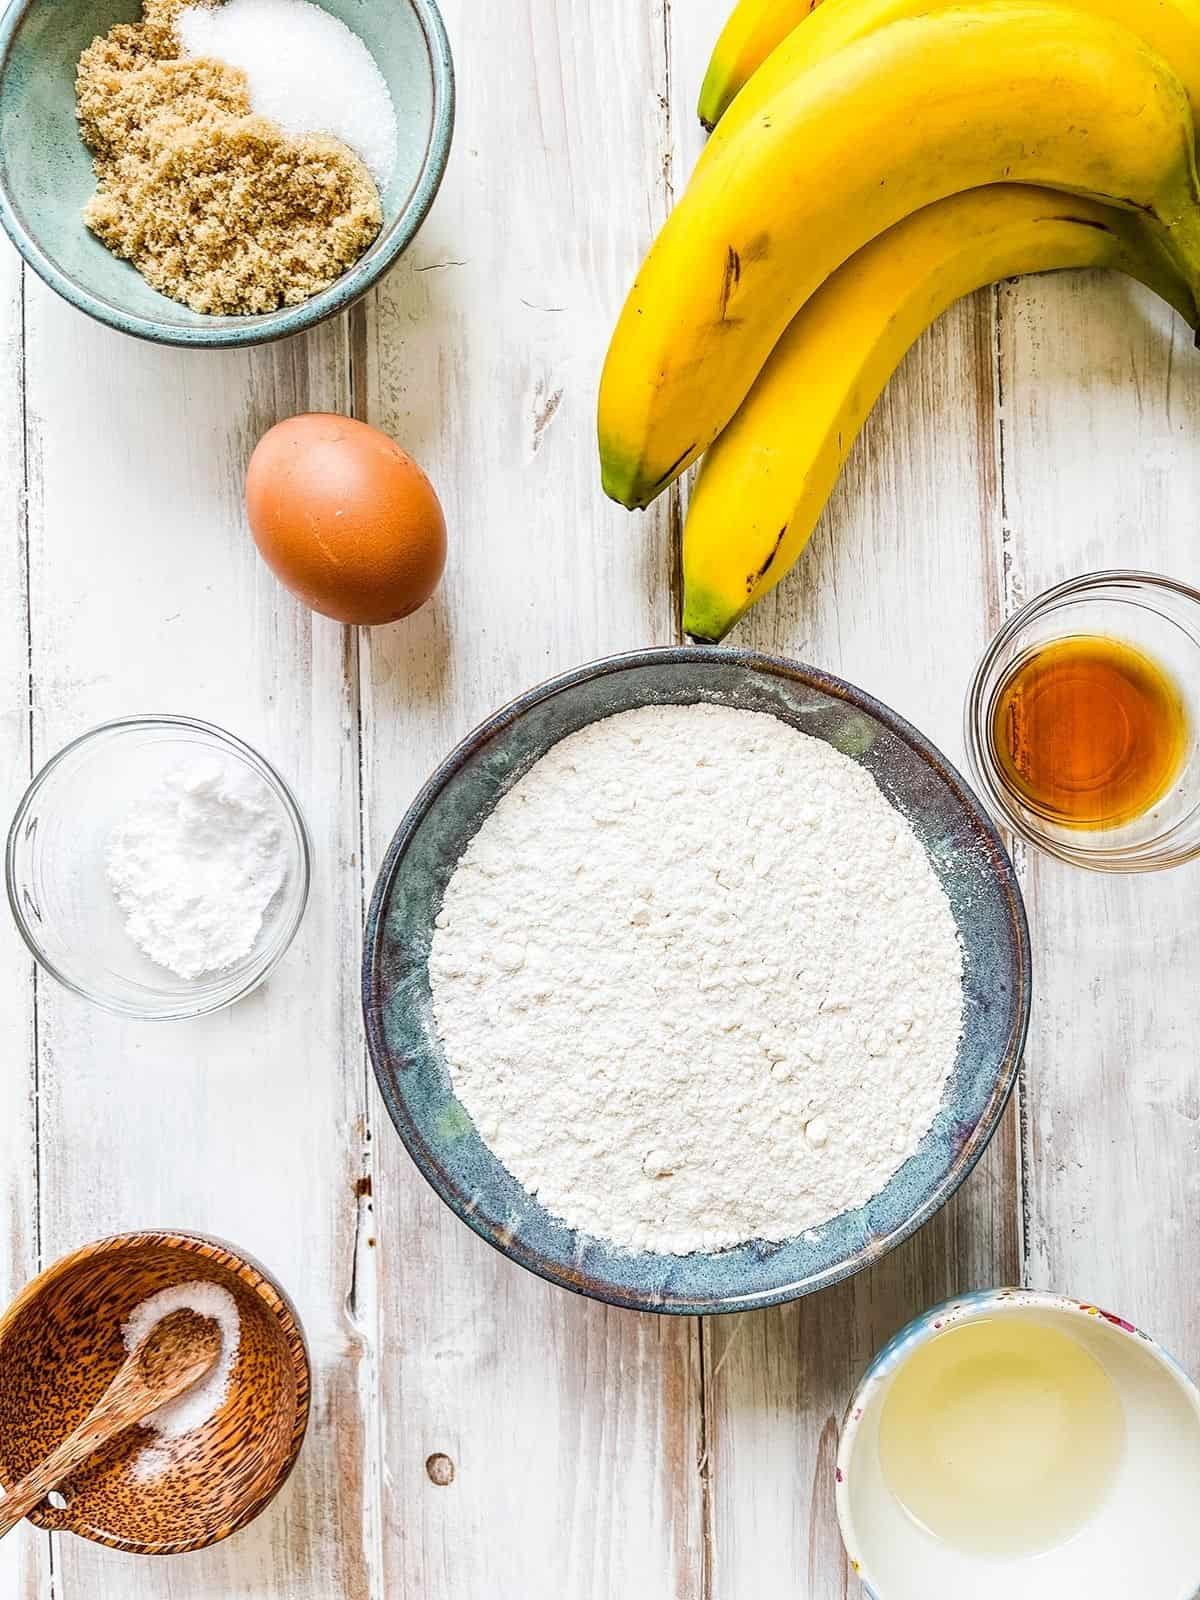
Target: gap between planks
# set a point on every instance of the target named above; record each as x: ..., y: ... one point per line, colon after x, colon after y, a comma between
x: 676, y: 504
x: 23, y: 537
x: 48, y: 1541
x: 1009, y: 601
x: 366, y: 1242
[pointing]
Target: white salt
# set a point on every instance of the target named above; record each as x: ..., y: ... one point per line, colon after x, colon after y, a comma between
x: 305, y: 70
x: 195, y: 1406
x: 150, y: 1464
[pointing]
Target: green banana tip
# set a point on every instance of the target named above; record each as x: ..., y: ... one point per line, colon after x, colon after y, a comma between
x: 620, y: 496
x: 714, y: 97
x: 705, y: 629
x: 622, y: 483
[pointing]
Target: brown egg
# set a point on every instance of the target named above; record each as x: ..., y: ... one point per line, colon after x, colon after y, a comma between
x: 345, y: 519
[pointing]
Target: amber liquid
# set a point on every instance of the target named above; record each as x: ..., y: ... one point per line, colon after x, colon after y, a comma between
x: 1089, y: 732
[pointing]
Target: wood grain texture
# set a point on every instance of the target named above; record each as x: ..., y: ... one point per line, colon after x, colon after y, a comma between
x: 478, y: 1435
x: 1102, y: 413
x: 25, y: 1570
x: 147, y: 594
x: 572, y: 1431
x: 898, y: 592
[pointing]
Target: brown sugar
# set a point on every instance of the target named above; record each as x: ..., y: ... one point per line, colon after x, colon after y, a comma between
x: 216, y: 207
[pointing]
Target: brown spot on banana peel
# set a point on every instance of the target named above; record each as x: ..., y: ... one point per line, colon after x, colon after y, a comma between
x: 1087, y: 222
x: 753, y: 579
x: 732, y: 277
x: 669, y: 476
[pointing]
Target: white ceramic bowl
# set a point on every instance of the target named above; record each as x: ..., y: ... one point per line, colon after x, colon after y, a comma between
x: 57, y: 886
x: 1143, y: 1541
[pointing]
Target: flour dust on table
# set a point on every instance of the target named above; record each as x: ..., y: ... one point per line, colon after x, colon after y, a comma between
x: 697, y: 982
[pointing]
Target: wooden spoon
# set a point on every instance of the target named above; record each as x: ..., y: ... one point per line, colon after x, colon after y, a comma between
x: 175, y: 1354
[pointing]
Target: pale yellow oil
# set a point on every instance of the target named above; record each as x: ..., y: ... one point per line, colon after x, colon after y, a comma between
x: 1001, y: 1437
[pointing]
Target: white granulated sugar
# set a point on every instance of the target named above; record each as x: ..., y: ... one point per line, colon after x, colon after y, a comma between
x: 305, y: 70
x: 697, y: 982
x: 195, y: 1406
x: 195, y: 867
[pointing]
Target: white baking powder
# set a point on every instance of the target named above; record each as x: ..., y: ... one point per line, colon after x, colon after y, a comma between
x: 697, y: 982
x: 305, y: 70
x: 196, y: 865
x: 195, y: 1406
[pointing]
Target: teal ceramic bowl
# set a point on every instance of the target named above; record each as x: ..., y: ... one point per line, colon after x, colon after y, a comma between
x: 46, y: 171
x: 964, y: 850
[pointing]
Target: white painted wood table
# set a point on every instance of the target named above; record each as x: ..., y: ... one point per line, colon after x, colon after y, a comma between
x: 1041, y: 429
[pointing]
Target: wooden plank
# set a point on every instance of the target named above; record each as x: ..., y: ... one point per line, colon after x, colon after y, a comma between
x: 1101, y: 414
x: 573, y: 1430
x: 24, y: 1556
x: 898, y: 593
x: 147, y: 594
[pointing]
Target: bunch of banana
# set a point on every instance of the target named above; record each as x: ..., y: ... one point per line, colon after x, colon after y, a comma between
x: 881, y: 120
x: 764, y: 483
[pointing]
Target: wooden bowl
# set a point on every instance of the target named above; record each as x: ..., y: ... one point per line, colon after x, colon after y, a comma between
x: 60, y: 1344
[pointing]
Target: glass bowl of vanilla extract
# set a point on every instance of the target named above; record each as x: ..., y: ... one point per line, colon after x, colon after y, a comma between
x: 1083, y: 722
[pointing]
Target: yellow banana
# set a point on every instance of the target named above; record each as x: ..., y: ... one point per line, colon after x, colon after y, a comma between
x: 754, y: 28
x: 923, y: 109
x: 1171, y: 28
x: 765, y: 481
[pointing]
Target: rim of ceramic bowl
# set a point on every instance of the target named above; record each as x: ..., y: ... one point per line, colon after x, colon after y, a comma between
x: 913, y: 1333
x: 977, y: 737
x: 267, y: 1288
x: 426, y: 1160
x: 264, y: 328
x: 274, y: 779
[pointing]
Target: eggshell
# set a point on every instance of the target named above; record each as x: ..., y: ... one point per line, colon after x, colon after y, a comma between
x: 345, y: 519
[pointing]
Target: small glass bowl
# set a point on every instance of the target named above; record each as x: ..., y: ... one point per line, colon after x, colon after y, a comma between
x: 59, y: 892
x: 1156, y: 615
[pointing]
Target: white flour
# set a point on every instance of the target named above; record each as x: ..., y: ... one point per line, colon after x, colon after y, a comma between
x: 196, y: 865
x: 697, y: 982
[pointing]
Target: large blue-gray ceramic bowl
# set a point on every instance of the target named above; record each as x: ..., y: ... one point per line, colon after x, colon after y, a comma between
x: 966, y: 854
x: 46, y: 172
